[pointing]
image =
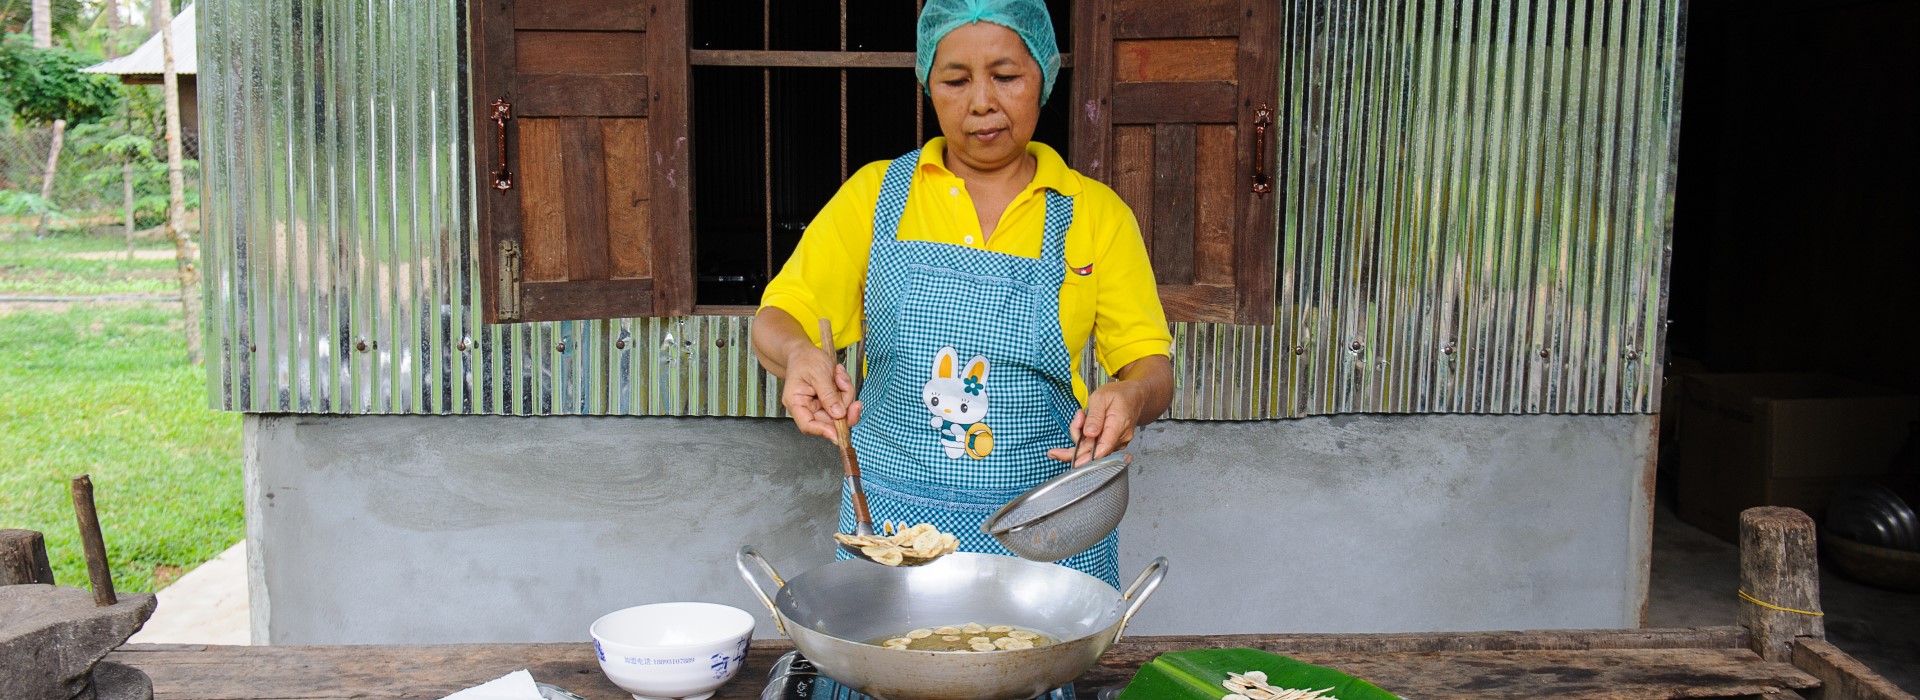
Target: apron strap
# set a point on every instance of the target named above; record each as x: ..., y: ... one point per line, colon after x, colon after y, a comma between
x: 1053, y: 246
x: 893, y: 197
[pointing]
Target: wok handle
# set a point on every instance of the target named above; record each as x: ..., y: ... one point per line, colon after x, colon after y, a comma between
x: 1137, y: 592
x: 748, y: 553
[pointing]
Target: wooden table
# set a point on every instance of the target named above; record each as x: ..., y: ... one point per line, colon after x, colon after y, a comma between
x: 1715, y: 662
x: 1777, y: 653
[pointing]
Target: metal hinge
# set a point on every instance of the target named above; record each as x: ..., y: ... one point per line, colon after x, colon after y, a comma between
x: 509, y: 287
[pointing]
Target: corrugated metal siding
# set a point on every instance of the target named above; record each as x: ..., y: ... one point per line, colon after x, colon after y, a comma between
x: 1467, y: 185
x: 1478, y: 204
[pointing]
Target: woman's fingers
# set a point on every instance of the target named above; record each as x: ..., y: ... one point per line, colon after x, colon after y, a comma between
x: 1082, y: 443
x: 807, y: 416
x: 1112, y: 412
x: 1115, y: 436
x: 1069, y: 454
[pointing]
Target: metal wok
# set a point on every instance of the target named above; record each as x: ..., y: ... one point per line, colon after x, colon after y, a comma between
x: 833, y: 611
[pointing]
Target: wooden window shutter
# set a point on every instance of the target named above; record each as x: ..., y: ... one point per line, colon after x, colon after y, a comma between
x: 1178, y: 88
x: 591, y: 220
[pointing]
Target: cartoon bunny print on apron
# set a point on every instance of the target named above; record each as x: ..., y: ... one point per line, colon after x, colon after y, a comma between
x: 958, y: 401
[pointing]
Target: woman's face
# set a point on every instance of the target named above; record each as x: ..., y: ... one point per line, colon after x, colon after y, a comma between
x: 986, y: 93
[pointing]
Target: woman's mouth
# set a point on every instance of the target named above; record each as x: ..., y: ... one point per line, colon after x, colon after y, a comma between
x: 988, y: 135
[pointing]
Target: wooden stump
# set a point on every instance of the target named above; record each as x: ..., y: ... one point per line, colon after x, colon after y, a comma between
x: 1779, y: 567
x: 23, y: 558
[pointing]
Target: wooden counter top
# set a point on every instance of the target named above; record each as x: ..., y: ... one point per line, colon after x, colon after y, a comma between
x: 1673, y: 663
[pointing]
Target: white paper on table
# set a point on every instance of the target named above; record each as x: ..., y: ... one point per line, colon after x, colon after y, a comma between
x: 513, y: 686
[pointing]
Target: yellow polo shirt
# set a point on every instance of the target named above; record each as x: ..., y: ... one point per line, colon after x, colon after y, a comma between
x: 1115, y: 301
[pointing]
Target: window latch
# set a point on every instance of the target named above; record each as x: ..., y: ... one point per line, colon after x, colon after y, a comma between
x: 509, y: 287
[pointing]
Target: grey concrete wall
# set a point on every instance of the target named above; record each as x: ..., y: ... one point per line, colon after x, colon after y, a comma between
x: 380, y: 529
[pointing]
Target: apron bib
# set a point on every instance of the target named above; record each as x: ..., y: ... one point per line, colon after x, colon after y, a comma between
x: 968, y: 383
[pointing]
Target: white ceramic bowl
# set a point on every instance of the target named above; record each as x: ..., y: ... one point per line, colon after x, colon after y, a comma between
x: 672, y: 651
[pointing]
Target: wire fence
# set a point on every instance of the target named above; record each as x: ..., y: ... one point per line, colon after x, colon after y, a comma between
x: 91, y: 180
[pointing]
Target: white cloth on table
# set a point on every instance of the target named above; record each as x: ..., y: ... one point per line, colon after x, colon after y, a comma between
x: 513, y: 686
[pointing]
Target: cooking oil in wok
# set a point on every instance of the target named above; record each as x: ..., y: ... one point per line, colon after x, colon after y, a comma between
x: 971, y: 636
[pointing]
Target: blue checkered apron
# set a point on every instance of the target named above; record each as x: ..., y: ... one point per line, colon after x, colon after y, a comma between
x: 923, y: 297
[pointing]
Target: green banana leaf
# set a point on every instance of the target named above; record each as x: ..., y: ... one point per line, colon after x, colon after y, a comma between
x: 1198, y: 673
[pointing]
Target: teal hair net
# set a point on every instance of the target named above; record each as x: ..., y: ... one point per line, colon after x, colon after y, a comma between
x: 1027, y: 18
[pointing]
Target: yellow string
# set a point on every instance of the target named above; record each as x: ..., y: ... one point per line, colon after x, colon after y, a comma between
x: 1756, y: 601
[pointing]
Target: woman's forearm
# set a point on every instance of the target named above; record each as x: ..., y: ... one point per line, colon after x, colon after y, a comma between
x: 775, y: 335
x: 1155, y: 376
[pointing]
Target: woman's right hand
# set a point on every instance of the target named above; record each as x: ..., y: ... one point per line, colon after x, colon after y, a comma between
x: 813, y: 392
x: 818, y: 389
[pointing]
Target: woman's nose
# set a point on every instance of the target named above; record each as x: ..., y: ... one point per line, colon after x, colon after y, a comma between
x: 980, y: 98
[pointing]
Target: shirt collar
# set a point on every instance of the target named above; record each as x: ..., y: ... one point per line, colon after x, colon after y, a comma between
x: 1051, y: 171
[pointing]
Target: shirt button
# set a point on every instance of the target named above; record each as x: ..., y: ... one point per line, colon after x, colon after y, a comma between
x: 955, y: 191
x: 969, y: 240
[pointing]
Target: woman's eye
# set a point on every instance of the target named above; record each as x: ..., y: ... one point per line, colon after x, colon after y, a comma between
x: 1006, y: 78
x: 956, y: 82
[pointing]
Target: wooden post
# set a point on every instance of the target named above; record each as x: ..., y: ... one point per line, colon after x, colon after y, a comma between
x: 23, y: 558
x: 1779, y: 567
x: 90, y: 540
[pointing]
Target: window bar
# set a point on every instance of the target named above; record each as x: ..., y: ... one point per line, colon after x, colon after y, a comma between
x: 919, y: 103
x: 766, y: 135
x: 843, y: 94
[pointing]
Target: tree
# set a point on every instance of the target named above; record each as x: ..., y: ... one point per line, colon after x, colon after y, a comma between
x: 42, y: 24
x: 186, y: 251
x: 43, y: 39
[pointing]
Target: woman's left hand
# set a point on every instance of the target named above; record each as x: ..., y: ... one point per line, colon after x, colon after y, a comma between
x: 1141, y: 393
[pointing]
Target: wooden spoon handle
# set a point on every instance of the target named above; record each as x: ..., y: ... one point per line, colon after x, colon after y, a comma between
x: 848, y: 461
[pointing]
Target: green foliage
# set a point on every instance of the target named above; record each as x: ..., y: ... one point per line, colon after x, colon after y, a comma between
x: 23, y: 204
x: 109, y: 143
x: 44, y: 85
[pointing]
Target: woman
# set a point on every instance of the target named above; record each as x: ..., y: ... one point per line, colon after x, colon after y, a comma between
x: 975, y: 269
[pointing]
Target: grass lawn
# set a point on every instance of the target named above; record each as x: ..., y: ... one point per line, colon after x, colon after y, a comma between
x: 74, y: 264
x: 103, y: 389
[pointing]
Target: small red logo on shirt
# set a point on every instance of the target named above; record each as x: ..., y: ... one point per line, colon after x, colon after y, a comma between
x: 1082, y: 271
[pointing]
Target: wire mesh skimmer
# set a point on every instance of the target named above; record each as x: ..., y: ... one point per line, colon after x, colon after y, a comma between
x: 1066, y: 514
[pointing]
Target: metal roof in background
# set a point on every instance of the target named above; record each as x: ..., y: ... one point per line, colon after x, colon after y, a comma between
x: 150, y: 61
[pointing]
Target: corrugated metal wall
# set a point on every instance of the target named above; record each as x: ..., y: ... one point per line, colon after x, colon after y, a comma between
x: 1475, y: 218
x: 1478, y: 204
